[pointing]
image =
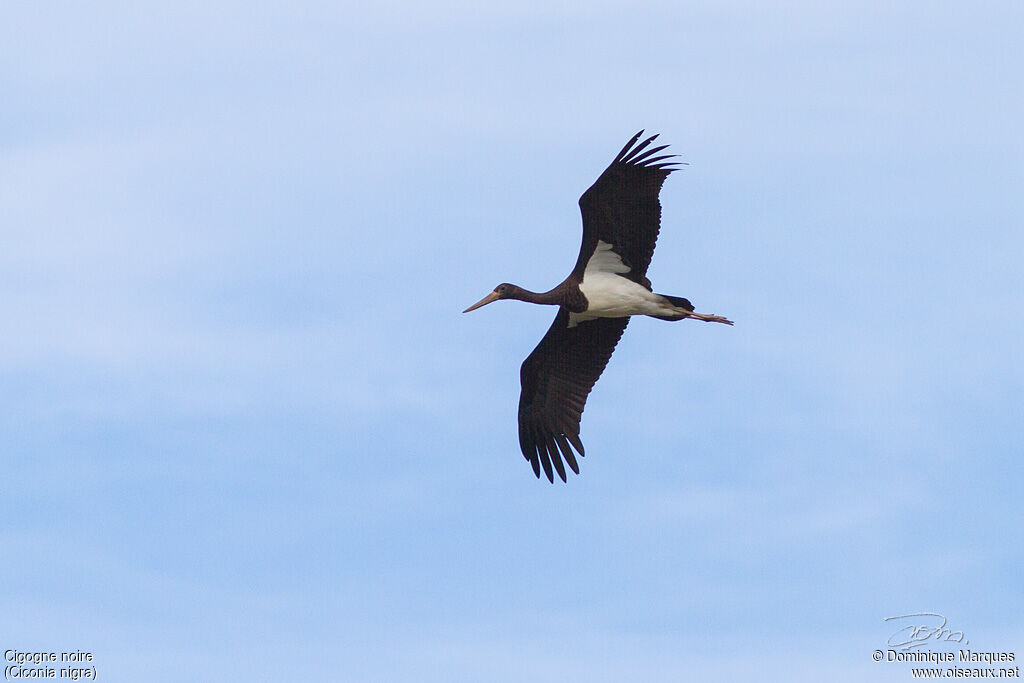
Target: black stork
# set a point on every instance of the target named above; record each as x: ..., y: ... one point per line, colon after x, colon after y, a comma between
x: 621, y: 218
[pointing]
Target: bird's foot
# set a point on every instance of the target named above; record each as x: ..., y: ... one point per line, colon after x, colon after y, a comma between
x: 709, y: 318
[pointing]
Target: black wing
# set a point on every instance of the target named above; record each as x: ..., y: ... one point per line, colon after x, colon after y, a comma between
x: 556, y: 379
x: 621, y: 208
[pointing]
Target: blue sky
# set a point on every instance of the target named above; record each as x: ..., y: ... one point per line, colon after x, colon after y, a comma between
x: 247, y: 434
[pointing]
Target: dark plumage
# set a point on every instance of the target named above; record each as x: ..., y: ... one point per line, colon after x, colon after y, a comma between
x: 556, y: 379
x: 621, y: 219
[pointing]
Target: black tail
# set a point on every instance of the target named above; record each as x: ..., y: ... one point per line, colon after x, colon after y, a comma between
x: 678, y: 302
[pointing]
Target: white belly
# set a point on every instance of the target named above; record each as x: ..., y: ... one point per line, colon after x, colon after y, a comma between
x: 612, y: 296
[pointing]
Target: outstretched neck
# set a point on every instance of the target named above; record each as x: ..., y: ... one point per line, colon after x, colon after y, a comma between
x: 553, y: 296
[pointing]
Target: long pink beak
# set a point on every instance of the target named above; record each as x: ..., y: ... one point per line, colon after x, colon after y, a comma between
x: 493, y: 296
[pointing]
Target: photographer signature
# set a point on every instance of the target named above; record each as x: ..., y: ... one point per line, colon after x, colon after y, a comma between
x: 920, y: 628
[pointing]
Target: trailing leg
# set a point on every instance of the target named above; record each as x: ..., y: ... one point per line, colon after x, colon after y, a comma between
x: 679, y: 308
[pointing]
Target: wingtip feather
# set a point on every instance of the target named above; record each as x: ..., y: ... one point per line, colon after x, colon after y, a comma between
x: 631, y: 157
x: 535, y: 464
x: 574, y: 439
x: 622, y: 152
x: 545, y: 460
x: 654, y: 150
x: 567, y: 453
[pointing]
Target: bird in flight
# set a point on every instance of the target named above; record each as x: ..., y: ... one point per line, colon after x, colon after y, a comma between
x: 621, y: 218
